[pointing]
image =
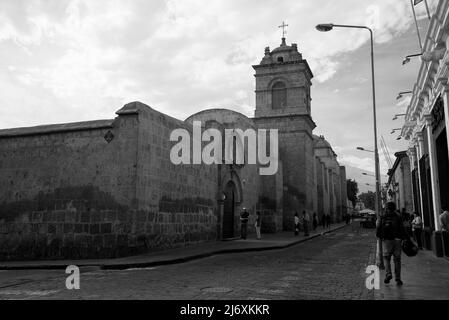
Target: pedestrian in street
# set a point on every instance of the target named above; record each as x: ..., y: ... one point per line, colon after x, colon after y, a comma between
x: 323, y: 220
x: 296, y: 224
x: 347, y: 218
x: 315, y: 221
x: 305, y: 221
x: 444, y: 219
x: 258, y: 224
x: 391, y: 232
x: 244, y: 217
x: 417, y: 229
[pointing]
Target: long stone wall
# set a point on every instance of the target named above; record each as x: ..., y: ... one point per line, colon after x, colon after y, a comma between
x: 101, y: 189
x: 74, y: 233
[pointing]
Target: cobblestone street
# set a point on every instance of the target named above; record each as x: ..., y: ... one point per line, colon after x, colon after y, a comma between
x: 329, y: 267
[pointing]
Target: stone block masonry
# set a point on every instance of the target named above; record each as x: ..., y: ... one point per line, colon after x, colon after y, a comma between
x: 78, y: 234
x: 101, y: 189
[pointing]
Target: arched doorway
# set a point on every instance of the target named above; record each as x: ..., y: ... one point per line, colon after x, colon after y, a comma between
x: 228, y: 210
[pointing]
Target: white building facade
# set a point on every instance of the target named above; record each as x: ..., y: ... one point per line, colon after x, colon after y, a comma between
x: 425, y: 127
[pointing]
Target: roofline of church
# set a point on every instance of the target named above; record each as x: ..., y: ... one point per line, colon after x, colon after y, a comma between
x: 214, y: 110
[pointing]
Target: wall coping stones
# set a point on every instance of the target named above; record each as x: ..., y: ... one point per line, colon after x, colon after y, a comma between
x: 56, y: 128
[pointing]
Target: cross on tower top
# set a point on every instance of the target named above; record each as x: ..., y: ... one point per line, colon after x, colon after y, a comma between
x: 283, y: 26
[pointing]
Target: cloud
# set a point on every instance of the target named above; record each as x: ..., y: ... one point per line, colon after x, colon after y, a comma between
x: 109, y: 52
x: 73, y: 60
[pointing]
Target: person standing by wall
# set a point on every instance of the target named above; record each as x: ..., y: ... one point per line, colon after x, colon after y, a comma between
x: 417, y: 229
x: 328, y: 221
x: 244, y: 216
x: 258, y: 224
x: 296, y: 224
x: 406, y: 221
x: 315, y: 221
x: 444, y: 219
x: 305, y: 221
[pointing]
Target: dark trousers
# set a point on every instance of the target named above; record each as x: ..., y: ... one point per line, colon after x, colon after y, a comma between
x: 296, y: 229
x: 392, y: 248
x: 418, y: 238
x: 244, y: 230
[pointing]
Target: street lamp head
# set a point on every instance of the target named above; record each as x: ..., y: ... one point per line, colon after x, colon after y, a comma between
x: 395, y: 118
x: 399, y: 96
x: 399, y: 138
x: 360, y: 148
x: 406, y: 60
x: 324, y: 27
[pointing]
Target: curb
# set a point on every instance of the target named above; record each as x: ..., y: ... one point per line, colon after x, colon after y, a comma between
x: 137, y: 265
x: 209, y: 254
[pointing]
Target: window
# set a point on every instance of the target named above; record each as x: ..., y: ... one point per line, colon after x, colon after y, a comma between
x: 279, y: 95
x: 280, y: 59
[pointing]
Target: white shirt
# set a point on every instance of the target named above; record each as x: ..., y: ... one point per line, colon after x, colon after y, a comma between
x: 417, y: 222
x: 444, y: 218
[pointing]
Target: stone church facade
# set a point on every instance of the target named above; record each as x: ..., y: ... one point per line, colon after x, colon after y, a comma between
x: 107, y: 188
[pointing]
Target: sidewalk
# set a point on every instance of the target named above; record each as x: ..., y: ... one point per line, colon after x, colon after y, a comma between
x: 275, y: 241
x: 425, y: 277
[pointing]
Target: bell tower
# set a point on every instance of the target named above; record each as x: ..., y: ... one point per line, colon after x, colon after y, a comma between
x: 283, y: 81
x: 283, y: 102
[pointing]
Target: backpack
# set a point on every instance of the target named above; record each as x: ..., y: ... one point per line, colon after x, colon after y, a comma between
x: 390, y: 227
x: 410, y: 248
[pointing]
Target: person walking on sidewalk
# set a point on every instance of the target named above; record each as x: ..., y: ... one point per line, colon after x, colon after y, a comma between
x: 323, y: 221
x: 444, y: 219
x: 417, y: 229
x: 391, y: 232
x: 315, y: 221
x: 296, y: 224
x: 305, y: 221
x: 258, y: 224
x: 244, y: 216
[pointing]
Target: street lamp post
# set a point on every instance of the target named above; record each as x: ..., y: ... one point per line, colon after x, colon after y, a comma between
x: 394, y: 130
x: 363, y: 149
x: 328, y: 27
x: 396, y: 116
x: 407, y: 58
x: 367, y: 174
x: 401, y: 94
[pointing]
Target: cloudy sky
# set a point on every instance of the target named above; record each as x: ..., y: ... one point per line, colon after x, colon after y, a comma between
x: 75, y: 60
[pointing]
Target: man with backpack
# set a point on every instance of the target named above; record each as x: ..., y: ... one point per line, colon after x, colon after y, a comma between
x: 392, y: 232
